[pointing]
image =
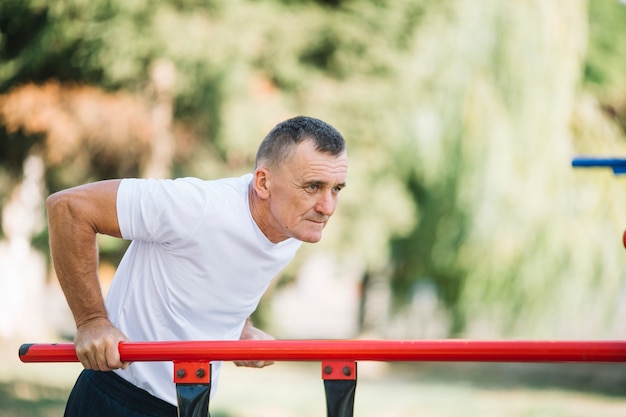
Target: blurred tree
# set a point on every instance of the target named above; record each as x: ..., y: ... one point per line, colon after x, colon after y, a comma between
x: 605, y: 68
x: 506, y: 229
x: 460, y: 118
x: 284, y: 59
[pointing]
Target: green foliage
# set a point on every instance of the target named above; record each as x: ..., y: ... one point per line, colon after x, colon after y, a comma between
x: 498, y: 201
x: 605, y: 66
x: 461, y: 118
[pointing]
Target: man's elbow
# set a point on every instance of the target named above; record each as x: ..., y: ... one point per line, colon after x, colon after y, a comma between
x: 59, y: 206
x: 54, y: 201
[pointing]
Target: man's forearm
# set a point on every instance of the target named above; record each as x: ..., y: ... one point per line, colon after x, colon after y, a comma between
x: 75, y: 258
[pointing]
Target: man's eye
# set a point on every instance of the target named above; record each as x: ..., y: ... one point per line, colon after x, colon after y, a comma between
x: 312, y: 187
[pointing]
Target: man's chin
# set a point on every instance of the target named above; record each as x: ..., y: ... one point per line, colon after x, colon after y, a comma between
x: 311, y: 233
x: 310, y: 237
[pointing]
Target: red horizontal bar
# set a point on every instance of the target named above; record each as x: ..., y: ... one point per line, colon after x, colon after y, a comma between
x: 451, y: 350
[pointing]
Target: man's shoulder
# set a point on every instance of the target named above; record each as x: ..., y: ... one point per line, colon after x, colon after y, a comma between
x: 236, y: 183
x: 189, y: 183
x: 219, y: 190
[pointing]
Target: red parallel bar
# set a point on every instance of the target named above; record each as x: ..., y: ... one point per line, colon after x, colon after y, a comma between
x: 451, y: 350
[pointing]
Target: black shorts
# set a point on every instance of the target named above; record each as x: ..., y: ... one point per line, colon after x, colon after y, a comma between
x: 105, y: 394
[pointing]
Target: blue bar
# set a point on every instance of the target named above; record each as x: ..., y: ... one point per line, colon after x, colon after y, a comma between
x: 618, y: 165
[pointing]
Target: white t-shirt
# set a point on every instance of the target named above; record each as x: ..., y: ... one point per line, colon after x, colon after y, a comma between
x: 196, y: 268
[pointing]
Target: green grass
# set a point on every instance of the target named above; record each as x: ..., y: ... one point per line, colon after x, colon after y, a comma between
x: 383, y: 390
x: 437, y: 390
x: 28, y: 399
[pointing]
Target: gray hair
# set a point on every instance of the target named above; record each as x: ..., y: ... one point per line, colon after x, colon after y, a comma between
x: 285, y: 136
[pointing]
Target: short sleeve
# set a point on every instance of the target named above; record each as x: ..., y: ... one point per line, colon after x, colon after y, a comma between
x: 161, y: 211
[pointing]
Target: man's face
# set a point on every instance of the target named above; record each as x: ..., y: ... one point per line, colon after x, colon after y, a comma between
x: 304, y: 193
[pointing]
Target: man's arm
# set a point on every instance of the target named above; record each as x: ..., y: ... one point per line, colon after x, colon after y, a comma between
x: 75, y: 217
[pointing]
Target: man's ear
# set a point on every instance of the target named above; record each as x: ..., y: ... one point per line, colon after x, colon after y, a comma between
x: 261, y: 182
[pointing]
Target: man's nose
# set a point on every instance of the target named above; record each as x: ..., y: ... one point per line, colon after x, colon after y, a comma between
x: 326, y: 204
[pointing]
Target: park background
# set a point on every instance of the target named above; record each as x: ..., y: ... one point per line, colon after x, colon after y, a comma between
x: 462, y: 216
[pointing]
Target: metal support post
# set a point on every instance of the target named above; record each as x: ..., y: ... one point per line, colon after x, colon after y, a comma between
x: 340, y: 386
x: 193, y: 388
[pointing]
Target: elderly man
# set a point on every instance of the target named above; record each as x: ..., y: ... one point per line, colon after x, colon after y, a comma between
x: 202, y: 255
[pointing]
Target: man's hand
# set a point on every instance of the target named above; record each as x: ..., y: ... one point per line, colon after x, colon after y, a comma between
x: 96, y: 345
x: 250, y: 332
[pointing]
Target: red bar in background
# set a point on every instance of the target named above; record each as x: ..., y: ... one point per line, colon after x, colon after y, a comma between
x: 450, y: 350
